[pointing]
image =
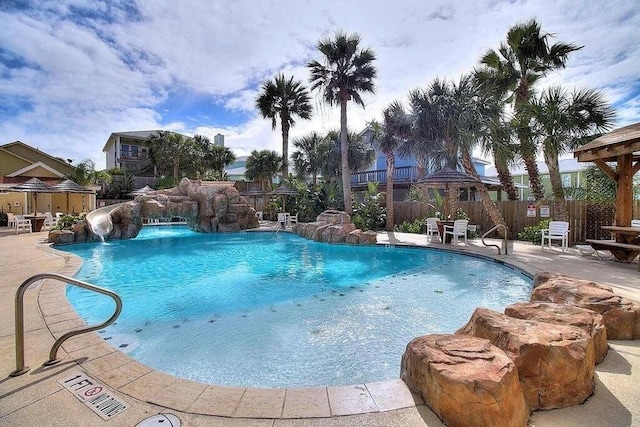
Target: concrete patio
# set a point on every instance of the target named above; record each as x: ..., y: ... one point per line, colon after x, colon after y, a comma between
x: 36, y: 398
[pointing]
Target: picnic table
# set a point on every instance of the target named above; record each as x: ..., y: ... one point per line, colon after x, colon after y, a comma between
x: 625, y: 247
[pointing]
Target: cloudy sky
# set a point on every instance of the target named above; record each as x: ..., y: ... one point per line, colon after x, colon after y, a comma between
x: 74, y: 71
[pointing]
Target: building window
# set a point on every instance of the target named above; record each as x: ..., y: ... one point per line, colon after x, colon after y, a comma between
x: 566, y: 180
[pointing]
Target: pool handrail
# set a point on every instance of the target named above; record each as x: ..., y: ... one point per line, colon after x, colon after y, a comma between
x: 19, y: 318
x: 504, y: 241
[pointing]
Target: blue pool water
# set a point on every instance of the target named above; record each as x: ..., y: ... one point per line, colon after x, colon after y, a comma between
x: 276, y: 310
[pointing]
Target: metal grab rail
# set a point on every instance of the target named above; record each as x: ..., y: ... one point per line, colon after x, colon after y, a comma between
x: 504, y: 241
x: 20, y: 368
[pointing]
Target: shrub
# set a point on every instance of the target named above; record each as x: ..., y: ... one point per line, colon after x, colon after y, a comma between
x: 419, y: 226
x: 533, y: 234
x: 4, y: 219
x: 370, y: 215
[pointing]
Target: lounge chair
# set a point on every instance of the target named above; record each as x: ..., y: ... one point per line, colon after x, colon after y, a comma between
x: 558, y: 230
x: 432, y: 228
x: 586, y: 250
x: 458, y: 229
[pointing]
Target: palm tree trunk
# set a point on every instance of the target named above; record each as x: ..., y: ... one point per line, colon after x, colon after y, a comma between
x: 560, y: 211
x: 537, y: 189
x: 285, y: 148
x: 504, y: 176
x: 391, y: 166
x: 488, y: 204
x: 344, y: 153
x: 176, y: 169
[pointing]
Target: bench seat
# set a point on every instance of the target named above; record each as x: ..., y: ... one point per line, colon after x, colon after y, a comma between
x: 625, y: 252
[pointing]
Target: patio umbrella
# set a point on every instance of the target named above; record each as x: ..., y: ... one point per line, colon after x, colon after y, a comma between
x: 446, y: 178
x: 284, y: 191
x: 67, y: 186
x: 255, y: 193
x: 33, y: 186
x: 140, y: 191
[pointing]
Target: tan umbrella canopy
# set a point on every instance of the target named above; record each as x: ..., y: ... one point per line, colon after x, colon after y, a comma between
x: 33, y: 186
x: 622, y: 147
x: 448, y: 179
x: 284, y: 191
x: 67, y: 186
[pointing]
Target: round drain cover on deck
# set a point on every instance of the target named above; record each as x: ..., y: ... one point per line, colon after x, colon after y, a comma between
x: 160, y: 420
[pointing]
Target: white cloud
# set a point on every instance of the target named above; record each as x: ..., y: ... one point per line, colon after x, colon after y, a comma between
x: 72, y: 72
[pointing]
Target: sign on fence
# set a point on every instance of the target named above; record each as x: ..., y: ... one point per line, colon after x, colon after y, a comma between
x: 531, y: 211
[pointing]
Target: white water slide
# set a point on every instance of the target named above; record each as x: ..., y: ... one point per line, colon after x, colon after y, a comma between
x: 99, y: 220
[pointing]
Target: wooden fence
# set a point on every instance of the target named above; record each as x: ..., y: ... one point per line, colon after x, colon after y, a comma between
x: 585, y: 218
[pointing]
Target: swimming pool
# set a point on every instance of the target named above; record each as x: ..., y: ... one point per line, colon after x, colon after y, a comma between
x: 276, y: 310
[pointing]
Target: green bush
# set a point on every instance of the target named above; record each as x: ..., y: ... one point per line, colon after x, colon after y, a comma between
x: 4, y: 219
x: 533, y: 234
x: 370, y: 215
x: 419, y: 226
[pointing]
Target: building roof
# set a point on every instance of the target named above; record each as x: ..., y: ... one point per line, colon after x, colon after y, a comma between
x: 134, y: 134
x: 625, y: 140
x: 566, y: 166
x: 11, y: 145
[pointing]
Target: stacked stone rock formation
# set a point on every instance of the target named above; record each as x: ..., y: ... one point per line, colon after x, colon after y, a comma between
x: 555, y: 362
x: 554, y: 342
x: 333, y: 226
x: 206, y: 208
x: 467, y: 381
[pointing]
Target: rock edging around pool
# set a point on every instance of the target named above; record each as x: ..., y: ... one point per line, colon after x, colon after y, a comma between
x: 208, y: 207
x: 551, y: 344
x: 333, y: 226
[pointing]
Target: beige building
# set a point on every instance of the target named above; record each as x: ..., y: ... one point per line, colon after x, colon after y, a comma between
x: 18, y: 163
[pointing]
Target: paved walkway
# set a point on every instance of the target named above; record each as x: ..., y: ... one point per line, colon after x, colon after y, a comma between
x: 36, y: 398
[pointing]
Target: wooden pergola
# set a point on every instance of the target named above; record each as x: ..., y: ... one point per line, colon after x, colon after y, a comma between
x: 621, y: 146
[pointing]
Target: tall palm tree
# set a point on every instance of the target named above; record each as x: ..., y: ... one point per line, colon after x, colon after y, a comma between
x: 346, y: 72
x: 511, y: 74
x: 312, y: 150
x: 262, y: 166
x: 389, y: 136
x: 561, y: 121
x: 216, y: 159
x: 284, y: 99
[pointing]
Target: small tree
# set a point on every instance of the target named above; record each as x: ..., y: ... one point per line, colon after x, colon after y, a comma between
x: 262, y: 166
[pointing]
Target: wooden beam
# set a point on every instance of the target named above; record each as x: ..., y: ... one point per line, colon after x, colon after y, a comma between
x: 606, y: 169
x: 607, y: 152
x: 624, y: 191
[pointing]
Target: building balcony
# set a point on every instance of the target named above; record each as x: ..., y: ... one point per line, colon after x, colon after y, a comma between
x: 401, y: 175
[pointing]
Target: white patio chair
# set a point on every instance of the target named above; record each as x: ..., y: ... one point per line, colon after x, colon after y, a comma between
x: 432, y: 228
x: 49, y: 222
x: 11, y: 220
x: 23, y: 224
x: 293, y: 219
x: 635, y: 222
x: 459, y: 229
x: 558, y: 230
x: 259, y: 215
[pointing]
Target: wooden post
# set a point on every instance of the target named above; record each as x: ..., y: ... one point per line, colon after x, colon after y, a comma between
x: 624, y: 190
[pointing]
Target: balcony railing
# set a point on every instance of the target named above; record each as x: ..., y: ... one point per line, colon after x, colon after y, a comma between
x: 133, y: 155
x: 401, y: 175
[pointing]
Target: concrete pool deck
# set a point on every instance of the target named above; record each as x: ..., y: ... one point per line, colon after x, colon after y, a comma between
x: 36, y: 398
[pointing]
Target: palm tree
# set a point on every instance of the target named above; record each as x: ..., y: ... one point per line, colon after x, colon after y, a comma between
x: 262, y: 166
x: 311, y: 154
x: 511, y: 73
x: 561, y: 121
x: 85, y: 173
x: 216, y: 159
x: 171, y: 151
x: 389, y: 137
x: 284, y: 98
x: 360, y: 155
x: 347, y: 71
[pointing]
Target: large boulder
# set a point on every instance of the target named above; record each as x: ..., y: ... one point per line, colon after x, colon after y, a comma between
x: 555, y: 362
x: 333, y: 226
x: 548, y: 312
x: 620, y: 315
x: 465, y: 380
